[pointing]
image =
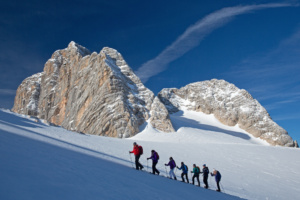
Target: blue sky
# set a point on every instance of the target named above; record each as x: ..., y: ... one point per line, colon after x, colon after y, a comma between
x: 252, y: 44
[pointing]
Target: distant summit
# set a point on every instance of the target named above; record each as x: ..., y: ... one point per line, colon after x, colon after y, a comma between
x: 230, y: 105
x: 100, y: 94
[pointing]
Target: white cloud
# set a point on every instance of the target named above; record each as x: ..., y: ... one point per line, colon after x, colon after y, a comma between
x: 286, y: 117
x: 7, y: 92
x: 194, y: 35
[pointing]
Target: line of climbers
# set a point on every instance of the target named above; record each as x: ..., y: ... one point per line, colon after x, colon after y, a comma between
x: 138, y: 151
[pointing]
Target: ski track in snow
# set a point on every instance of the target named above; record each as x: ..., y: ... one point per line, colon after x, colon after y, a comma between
x: 39, y: 161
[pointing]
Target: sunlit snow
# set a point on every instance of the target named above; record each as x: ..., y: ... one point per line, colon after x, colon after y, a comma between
x: 39, y: 161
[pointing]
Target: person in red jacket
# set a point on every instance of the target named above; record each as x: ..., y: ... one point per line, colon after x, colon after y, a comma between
x: 137, y: 155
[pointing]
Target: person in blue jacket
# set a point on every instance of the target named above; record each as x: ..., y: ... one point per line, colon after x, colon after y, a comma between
x: 184, y: 169
x: 217, y: 176
x: 154, y: 157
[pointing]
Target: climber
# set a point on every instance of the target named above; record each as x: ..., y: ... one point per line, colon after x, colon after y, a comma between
x: 205, y: 172
x: 172, y: 165
x: 137, y: 151
x: 184, y: 169
x: 154, y: 157
x: 217, y: 176
x: 196, y: 171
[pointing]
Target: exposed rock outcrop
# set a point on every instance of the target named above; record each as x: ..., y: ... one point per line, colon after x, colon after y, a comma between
x: 230, y: 105
x: 26, y: 102
x: 90, y: 93
x: 160, y: 118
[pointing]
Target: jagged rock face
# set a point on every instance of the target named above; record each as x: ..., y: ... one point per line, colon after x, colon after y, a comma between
x: 91, y: 93
x: 230, y: 105
x: 160, y: 118
x: 26, y: 102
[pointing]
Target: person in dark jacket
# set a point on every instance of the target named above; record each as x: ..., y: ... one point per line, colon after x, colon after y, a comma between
x: 172, y: 165
x: 184, y: 169
x: 205, y: 172
x: 154, y: 157
x: 217, y: 176
x: 196, y: 171
x: 137, y: 155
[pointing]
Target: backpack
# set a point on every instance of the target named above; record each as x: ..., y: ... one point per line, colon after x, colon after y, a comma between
x: 157, y: 155
x: 186, y: 168
x: 219, y: 175
x: 198, y: 169
x: 207, y: 170
x: 140, y: 150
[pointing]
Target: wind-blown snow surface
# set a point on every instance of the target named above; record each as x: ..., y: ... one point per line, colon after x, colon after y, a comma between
x: 39, y: 161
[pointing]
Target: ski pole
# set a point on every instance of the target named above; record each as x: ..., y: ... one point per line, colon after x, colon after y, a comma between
x: 166, y: 171
x: 222, y: 187
x: 147, y: 166
x: 131, y: 160
x: 209, y: 180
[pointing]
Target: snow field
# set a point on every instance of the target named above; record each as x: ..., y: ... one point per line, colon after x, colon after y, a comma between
x: 47, y: 162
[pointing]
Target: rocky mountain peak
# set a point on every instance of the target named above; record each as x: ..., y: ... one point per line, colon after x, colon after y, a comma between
x: 92, y: 93
x: 117, y: 62
x: 74, y: 47
x: 230, y: 105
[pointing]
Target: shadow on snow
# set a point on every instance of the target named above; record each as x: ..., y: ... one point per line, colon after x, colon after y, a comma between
x: 182, y: 121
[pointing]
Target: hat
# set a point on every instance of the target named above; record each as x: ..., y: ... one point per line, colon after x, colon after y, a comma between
x: 134, y: 143
x: 204, y: 165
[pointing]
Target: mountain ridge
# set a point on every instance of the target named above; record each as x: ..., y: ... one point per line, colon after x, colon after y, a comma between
x: 100, y: 94
x: 230, y: 105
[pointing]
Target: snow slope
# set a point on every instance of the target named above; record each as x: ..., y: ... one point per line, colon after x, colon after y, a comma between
x: 39, y: 161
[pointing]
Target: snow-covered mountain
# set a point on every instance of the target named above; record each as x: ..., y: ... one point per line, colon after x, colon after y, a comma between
x: 91, y: 93
x: 39, y: 161
x: 100, y: 94
x: 230, y: 105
